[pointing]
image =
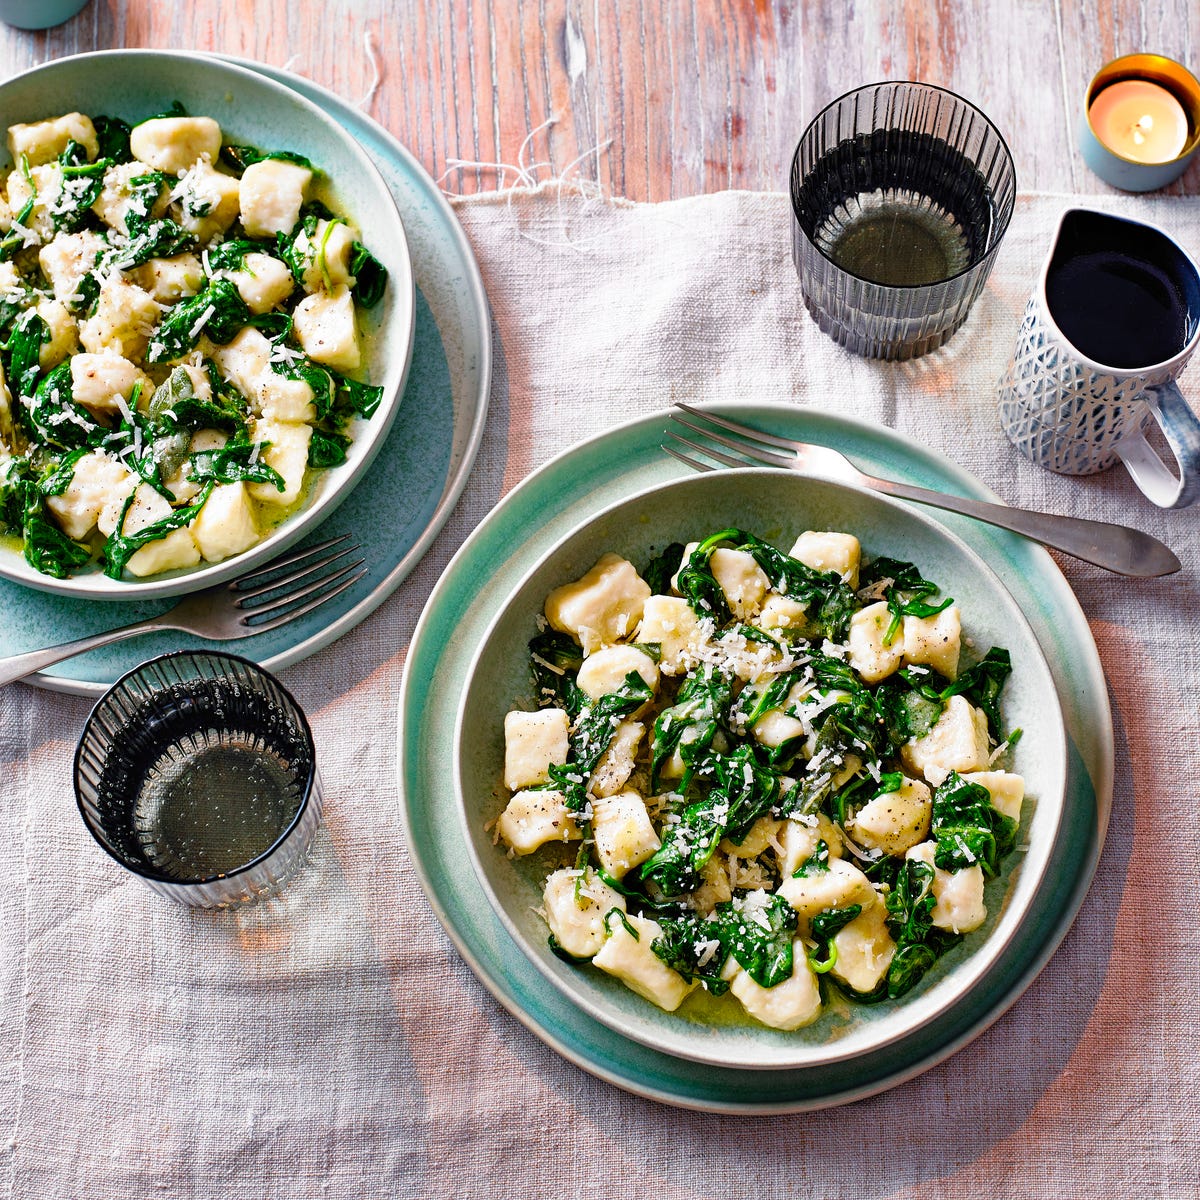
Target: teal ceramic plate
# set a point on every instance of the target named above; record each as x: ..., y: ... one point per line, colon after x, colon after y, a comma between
x: 778, y: 505
x: 404, y: 498
x: 506, y: 546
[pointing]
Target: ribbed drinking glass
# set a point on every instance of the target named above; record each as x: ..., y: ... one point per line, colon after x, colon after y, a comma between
x: 901, y: 194
x: 197, y: 772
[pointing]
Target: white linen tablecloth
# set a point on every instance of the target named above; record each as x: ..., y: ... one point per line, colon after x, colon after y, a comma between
x: 332, y: 1043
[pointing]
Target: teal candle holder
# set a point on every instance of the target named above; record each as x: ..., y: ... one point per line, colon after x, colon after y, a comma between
x: 1128, y: 174
x: 39, y: 14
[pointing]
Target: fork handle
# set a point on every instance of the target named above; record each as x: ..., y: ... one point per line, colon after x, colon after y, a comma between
x: 17, y: 666
x: 1125, y: 551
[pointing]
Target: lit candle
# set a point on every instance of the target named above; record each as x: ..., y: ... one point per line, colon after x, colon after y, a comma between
x: 1140, y: 120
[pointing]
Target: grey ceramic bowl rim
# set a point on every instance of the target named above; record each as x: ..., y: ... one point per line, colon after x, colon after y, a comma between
x: 370, y: 435
x: 687, y: 1040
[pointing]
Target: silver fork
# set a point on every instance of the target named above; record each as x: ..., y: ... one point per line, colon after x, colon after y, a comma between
x: 1114, y: 547
x: 282, y: 591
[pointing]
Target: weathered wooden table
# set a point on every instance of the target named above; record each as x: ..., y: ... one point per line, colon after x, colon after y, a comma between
x: 348, y: 1051
x: 658, y: 100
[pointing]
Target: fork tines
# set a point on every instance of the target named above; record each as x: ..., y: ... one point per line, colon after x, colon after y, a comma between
x: 276, y: 584
x: 747, y: 449
x: 694, y: 463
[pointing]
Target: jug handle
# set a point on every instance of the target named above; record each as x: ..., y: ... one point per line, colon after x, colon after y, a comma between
x: 1181, y: 428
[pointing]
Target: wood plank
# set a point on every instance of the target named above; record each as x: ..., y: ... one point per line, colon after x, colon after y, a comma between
x: 690, y: 95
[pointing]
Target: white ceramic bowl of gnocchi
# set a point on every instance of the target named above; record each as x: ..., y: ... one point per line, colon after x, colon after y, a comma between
x: 207, y: 306
x: 866, y: 885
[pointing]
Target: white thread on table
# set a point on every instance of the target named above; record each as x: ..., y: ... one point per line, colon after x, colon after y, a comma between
x: 373, y: 56
x: 526, y: 179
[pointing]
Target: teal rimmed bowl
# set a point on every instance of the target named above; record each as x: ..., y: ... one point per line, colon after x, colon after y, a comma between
x: 251, y: 110
x: 777, y: 505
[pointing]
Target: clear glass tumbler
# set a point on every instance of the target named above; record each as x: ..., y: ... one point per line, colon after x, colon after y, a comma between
x: 901, y: 193
x: 197, y: 772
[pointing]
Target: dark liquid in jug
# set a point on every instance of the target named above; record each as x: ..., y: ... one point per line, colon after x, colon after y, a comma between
x: 1117, y: 310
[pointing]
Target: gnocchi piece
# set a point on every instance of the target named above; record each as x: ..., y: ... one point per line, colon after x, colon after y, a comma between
x: 605, y: 671
x: 894, y: 821
x: 43, y: 141
x: 799, y: 841
x: 624, y: 833
x: 63, y: 331
x: 617, y: 762
x: 43, y: 185
x: 958, y: 895
x: 245, y: 362
x: 934, y: 641
x: 870, y: 655
x: 829, y: 551
x: 287, y: 453
x: 225, y: 526
x: 123, y: 321
x: 208, y: 439
x: 533, y: 741
x: 714, y: 886
x: 740, y: 578
x: 326, y: 255
x: 777, y: 726
x: 837, y: 885
x: 327, y: 329
x: 282, y: 399
x: 958, y: 741
x: 180, y: 484
x: 834, y: 765
x: 271, y: 194
x: 103, y: 381
x: 8, y: 434
x: 201, y: 384
x: 173, y: 144
x: 262, y: 282
x: 673, y: 766
x: 206, y: 201
x: 168, y: 280
x: 535, y: 817
x: 118, y: 194
x: 756, y: 840
x: 1005, y: 789
x: 98, y: 481
x: 669, y: 623
x: 626, y: 954
x: 789, y: 1005
x: 575, y: 907
x: 864, y: 949
x: 67, y: 259
x: 170, y: 552
x: 602, y: 607
x: 783, y: 617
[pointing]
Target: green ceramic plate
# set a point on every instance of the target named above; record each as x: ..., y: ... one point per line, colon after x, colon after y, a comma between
x: 415, y: 480
x: 778, y: 505
x: 519, y: 532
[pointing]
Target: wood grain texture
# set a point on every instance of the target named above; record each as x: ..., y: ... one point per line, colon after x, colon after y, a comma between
x: 657, y: 99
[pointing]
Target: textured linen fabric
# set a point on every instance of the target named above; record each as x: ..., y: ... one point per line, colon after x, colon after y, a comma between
x: 331, y: 1043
